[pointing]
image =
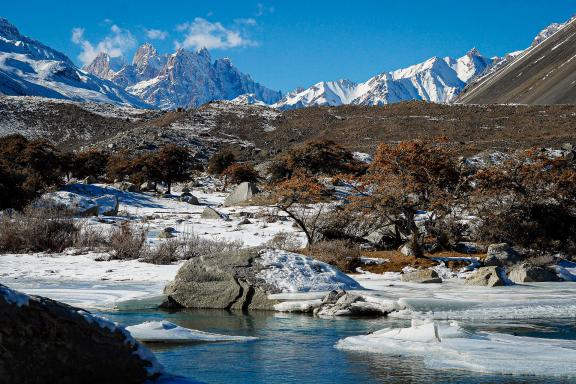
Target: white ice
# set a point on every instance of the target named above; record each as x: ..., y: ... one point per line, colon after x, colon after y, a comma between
x: 167, y: 332
x: 448, y: 346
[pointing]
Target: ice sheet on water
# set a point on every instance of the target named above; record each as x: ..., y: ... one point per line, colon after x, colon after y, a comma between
x: 167, y: 332
x: 448, y: 346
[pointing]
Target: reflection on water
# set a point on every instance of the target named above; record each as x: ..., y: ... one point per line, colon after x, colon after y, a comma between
x: 300, y: 349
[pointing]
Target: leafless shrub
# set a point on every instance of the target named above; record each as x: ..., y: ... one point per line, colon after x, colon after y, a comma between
x: 166, y: 252
x: 340, y: 253
x: 128, y: 241
x: 37, y: 230
x: 194, y: 246
x: 91, y: 237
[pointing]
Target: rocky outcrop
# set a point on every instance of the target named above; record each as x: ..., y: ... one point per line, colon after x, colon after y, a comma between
x: 501, y: 254
x: 221, y: 281
x: 423, y: 276
x: 44, y: 341
x: 526, y: 273
x: 244, y: 279
x: 488, y: 277
x: 211, y: 214
x: 189, y: 198
x: 342, y: 303
x: 107, y: 205
x: 242, y: 194
x: 72, y: 202
x: 126, y: 186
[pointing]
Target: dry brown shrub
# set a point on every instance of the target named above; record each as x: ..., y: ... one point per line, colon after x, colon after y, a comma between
x: 38, y: 230
x: 339, y: 253
x: 128, y: 241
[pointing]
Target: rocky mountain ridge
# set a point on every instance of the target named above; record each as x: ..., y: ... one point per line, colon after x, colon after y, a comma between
x: 30, y: 68
x: 183, y: 79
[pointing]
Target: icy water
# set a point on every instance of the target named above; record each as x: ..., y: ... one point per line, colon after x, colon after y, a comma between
x: 295, y: 348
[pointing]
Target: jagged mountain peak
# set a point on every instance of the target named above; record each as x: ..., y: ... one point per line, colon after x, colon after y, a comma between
x: 30, y: 68
x: 549, y: 31
x: 185, y: 78
x: 474, y: 52
x: 144, y: 52
x: 8, y: 30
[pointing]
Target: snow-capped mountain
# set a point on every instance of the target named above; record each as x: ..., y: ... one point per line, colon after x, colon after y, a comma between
x: 182, y: 79
x: 248, y: 99
x: 30, y: 68
x: 549, y: 31
x: 436, y: 80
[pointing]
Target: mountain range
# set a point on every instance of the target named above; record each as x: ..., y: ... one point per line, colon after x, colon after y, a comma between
x: 30, y: 68
x: 189, y: 79
x: 182, y: 79
x: 436, y: 80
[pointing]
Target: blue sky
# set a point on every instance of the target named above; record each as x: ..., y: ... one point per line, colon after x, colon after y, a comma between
x: 285, y: 44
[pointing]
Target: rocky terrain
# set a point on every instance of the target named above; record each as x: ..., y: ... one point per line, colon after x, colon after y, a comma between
x: 258, y: 132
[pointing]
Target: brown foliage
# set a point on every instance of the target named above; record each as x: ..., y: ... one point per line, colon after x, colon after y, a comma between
x: 407, y: 178
x: 339, y: 253
x: 238, y: 173
x: 320, y: 157
x: 293, y: 196
x: 220, y: 161
x: 529, y: 200
x: 27, y: 168
x: 89, y: 163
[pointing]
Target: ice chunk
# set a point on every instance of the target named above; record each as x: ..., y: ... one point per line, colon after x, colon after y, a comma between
x: 304, y: 306
x: 448, y: 346
x: 167, y: 332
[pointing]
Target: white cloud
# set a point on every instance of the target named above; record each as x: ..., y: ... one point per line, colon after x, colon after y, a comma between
x: 249, y: 21
x: 115, y: 44
x: 202, y: 33
x: 262, y: 9
x: 156, y: 34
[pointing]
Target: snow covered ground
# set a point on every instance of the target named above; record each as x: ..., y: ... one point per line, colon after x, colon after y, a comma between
x: 81, y: 280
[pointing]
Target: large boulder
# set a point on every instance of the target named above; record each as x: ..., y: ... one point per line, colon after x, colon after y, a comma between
x: 244, y: 279
x: 147, y: 186
x: 221, y: 281
x: 126, y: 186
x: 488, y: 277
x: 526, y: 273
x: 70, y: 201
x: 423, y: 276
x: 501, y: 254
x: 44, y: 341
x: 211, y: 214
x: 107, y: 205
x: 242, y: 194
x: 190, y: 199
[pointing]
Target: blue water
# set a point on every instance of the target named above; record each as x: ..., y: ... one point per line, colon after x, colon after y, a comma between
x: 300, y: 349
